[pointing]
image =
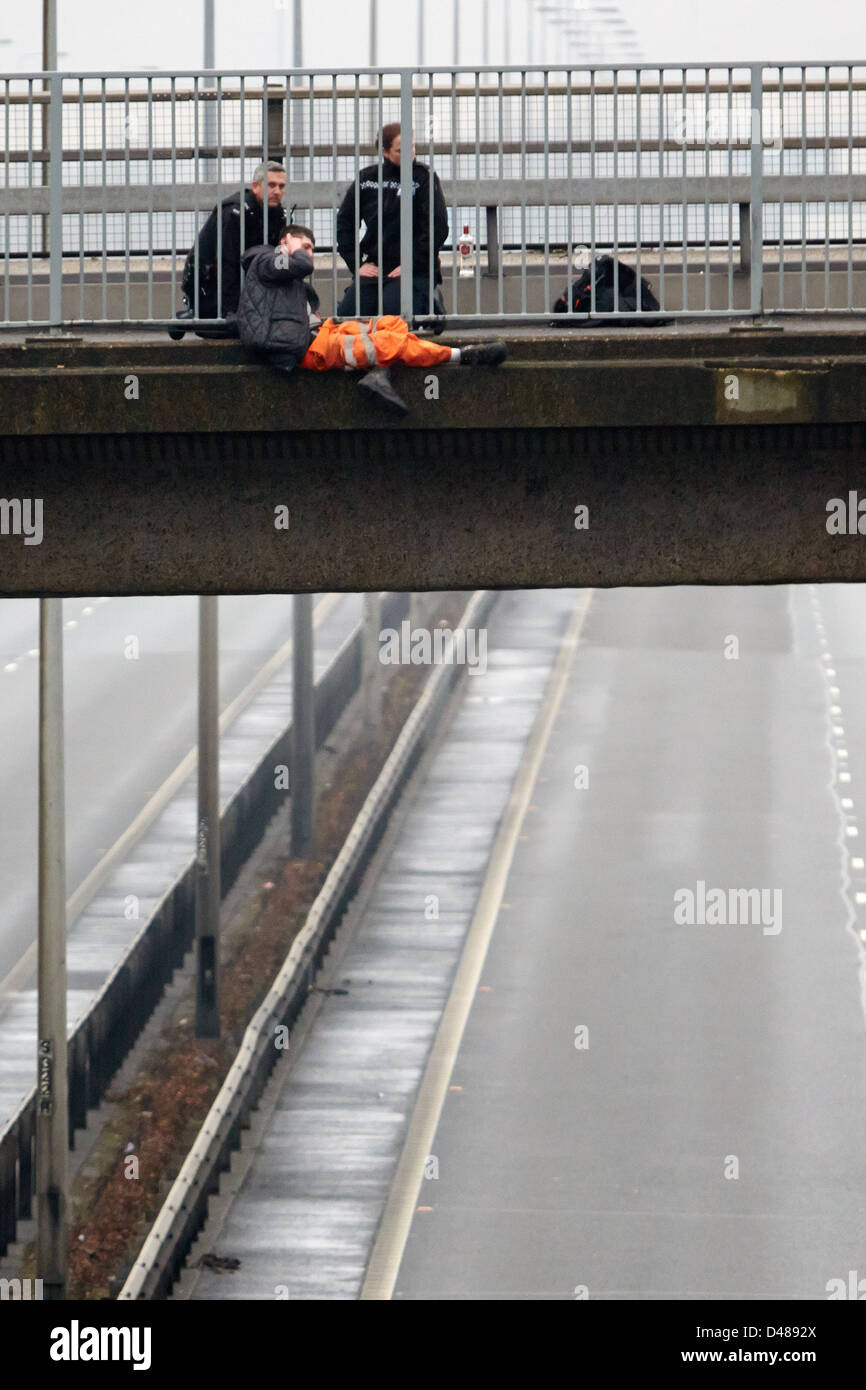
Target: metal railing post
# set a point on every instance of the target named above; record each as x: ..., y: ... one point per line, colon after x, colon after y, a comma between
x: 207, y: 863
x: 55, y: 200
x: 303, y: 786
x: 407, y: 136
x: 756, y: 219
x: 52, y: 1107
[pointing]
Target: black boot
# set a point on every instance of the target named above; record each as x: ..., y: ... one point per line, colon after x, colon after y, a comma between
x: 377, y: 386
x: 483, y: 355
x: 177, y: 333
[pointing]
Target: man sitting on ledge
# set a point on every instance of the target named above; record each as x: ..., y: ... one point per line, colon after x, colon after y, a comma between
x: 278, y: 319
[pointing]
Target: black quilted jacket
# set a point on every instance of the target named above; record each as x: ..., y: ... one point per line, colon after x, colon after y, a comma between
x: 275, y: 304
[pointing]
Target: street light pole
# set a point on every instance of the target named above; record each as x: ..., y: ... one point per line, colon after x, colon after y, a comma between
x: 209, y: 34
x: 49, y: 64
x: 303, y: 780
x: 209, y: 167
x: 370, y: 663
x: 52, y: 1109
x: 207, y: 863
x: 298, y: 35
x: 420, y: 33
x: 374, y: 34
x: 49, y: 35
x: 456, y: 13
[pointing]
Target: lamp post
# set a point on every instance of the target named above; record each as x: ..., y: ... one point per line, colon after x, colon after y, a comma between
x: 374, y: 34
x: 49, y: 35
x: 207, y: 861
x: 209, y: 166
x: 298, y: 35
x: 49, y: 64
x: 420, y: 33
x: 52, y: 1115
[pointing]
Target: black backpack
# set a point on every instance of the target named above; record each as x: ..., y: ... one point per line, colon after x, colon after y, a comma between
x: 605, y: 269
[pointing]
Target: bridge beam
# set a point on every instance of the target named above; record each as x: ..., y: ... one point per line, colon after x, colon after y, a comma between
x: 716, y: 465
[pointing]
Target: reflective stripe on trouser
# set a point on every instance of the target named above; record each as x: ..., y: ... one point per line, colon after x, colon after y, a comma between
x: 359, y: 343
x: 348, y: 344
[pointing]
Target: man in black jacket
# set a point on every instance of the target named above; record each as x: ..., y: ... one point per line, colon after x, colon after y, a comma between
x: 235, y: 224
x: 278, y: 313
x: 424, y: 185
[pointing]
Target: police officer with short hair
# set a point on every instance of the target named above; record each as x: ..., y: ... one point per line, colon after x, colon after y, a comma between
x: 220, y: 239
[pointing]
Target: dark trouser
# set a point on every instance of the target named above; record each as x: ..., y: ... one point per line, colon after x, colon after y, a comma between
x: 281, y: 358
x: 390, y: 298
x: 207, y: 309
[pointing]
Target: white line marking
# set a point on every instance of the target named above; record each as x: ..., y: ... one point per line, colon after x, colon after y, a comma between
x: 393, y: 1231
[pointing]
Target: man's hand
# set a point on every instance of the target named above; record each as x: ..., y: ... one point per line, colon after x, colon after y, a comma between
x: 394, y: 273
x: 369, y: 270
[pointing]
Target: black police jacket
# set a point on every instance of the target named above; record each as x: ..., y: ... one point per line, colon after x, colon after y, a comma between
x: 368, y: 209
x: 227, y: 215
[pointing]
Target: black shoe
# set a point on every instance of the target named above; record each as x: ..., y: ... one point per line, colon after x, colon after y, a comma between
x: 483, y: 355
x: 177, y: 333
x: 227, y: 330
x: 377, y: 387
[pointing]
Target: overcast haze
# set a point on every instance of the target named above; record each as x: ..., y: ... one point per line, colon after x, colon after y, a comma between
x: 119, y: 34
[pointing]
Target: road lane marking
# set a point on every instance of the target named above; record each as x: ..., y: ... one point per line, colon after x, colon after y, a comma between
x: 393, y: 1232
x: 90, y: 886
x: 845, y: 812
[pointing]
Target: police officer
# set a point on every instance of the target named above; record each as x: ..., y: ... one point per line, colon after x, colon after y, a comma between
x: 220, y: 238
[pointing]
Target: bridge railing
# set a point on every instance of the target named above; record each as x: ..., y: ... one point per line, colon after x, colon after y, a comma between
x: 734, y: 188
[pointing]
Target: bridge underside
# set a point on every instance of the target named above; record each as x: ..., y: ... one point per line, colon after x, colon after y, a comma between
x: 666, y: 457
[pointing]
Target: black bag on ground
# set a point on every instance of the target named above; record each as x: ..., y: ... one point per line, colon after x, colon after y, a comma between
x: 605, y: 269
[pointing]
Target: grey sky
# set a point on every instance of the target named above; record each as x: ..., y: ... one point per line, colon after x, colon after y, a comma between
x: 107, y: 35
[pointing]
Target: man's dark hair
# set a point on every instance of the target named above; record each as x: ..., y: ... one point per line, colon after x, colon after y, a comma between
x: 299, y: 231
x: 387, y: 136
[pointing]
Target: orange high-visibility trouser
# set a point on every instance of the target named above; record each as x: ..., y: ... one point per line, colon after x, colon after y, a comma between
x: 373, y: 344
